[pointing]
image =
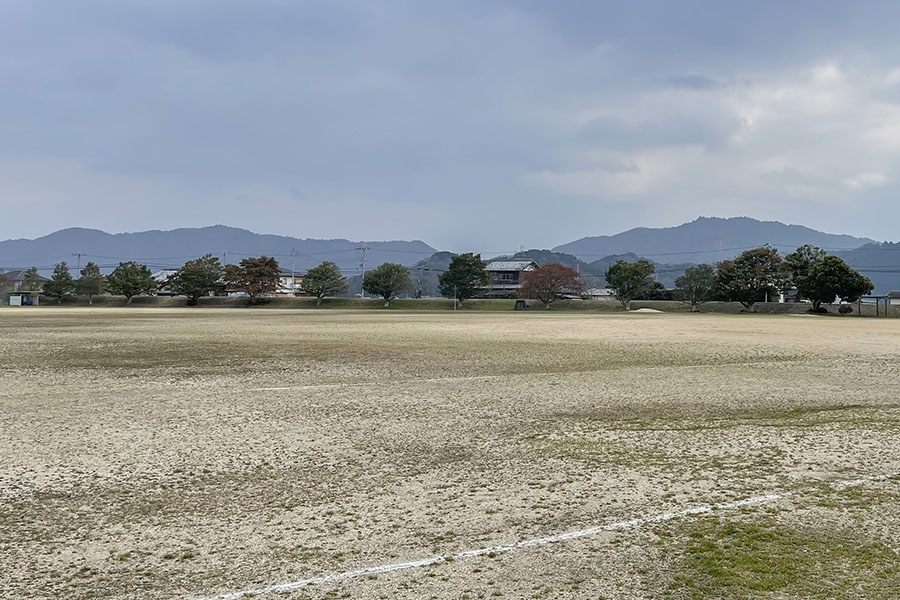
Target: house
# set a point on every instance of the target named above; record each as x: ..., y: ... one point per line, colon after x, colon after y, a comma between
x: 289, y: 283
x: 12, y: 287
x: 505, y: 276
x: 13, y: 281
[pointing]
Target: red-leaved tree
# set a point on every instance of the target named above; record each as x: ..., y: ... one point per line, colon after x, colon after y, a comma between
x: 549, y: 282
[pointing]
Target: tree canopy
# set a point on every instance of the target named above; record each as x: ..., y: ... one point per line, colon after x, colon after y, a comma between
x: 465, y: 278
x: 198, y: 277
x: 32, y: 281
x: 820, y: 278
x: 254, y: 276
x: 61, y: 284
x: 387, y: 280
x: 800, y: 260
x: 548, y: 282
x: 324, y: 280
x: 131, y: 279
x: 629, y: 280
x: 91, y: 283
x: 831, y: 278
x: 696, y: 285
x: 752, y: 277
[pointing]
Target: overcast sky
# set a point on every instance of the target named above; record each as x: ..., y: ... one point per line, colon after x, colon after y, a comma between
x: 482, y: 125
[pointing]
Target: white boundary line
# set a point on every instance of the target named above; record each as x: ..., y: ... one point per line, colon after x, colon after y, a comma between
x: 541, y: 541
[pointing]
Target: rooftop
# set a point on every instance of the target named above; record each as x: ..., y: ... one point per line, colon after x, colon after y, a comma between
x: 18, y: 276
x: 510, y: 265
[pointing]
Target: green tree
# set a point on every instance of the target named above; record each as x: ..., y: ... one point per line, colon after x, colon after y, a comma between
x: 198, y: 277
x: 752, y: 277
x: 91, y: 283
x: 799, y: 262
x: 130, y: 279
x: 696, y: 285
x: 33, y: 282
x: 629, y: 280
x: 61, y: 284
x: 388, y: 280
x: 831, y: 278
x: 324, y: 280
x: 465, y: 278
x: 254, y: 276
x: 548, y: 282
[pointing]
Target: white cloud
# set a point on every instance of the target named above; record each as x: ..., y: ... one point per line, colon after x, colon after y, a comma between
x: 866, y: 179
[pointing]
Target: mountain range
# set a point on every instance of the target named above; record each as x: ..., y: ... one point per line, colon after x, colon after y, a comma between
x: 707, y: 239
x: 170, y: 249
x: 672, y: 249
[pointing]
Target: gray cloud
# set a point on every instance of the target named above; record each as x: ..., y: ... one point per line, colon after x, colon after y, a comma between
x: 475, y: 124
x: 695, y: 82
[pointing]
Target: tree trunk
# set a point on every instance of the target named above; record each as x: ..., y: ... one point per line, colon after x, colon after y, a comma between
x: 129, y: 300
x: 387, y: 302
x: 627, y: 304
x: 318, y: 300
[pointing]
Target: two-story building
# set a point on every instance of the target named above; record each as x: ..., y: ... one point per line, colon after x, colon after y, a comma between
x: 505, y: 276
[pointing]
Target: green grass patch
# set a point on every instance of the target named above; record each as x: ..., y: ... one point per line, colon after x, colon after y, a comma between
x: 738, y: 559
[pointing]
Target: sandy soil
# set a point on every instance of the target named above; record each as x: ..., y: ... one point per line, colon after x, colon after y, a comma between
x: 182, y: 453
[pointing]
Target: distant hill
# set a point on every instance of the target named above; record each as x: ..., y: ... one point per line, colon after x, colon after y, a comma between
x: 166, y: 249
x: 878, y: 262
x: 707, y: 240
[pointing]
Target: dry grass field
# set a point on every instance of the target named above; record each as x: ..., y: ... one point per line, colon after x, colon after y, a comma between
x: 187, y: 453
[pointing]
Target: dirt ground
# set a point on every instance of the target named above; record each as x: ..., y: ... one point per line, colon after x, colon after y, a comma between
x: 187, y: 453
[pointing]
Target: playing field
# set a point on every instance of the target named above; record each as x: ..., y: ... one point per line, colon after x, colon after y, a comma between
x: 191, y: 453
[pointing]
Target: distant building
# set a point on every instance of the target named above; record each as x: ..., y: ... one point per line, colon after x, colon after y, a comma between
x: 790, y: 295
x: 505, y: 276
x: 289, y: 283
x: 600, y: 294
x: 14, y: 281
x: 162, y: 280
x: 894, y: 297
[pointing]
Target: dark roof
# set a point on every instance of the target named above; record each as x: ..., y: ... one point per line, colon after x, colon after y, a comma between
x: 510, y: 265
x: 17, y: 276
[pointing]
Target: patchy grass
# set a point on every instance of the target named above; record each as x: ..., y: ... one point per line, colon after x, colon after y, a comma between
x: 760, y: 558
x: 170, y: 452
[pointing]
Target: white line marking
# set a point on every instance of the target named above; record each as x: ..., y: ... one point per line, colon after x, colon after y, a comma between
x: 551, y: 539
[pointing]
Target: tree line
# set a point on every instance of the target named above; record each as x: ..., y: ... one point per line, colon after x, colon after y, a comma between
x: 255, y: 277
x: 754, y: 276
x: 757, y: 275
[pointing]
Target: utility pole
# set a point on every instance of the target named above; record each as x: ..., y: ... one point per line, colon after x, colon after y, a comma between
x: 293, y: 277
x: 79, y: 255
x: 362, y: 268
